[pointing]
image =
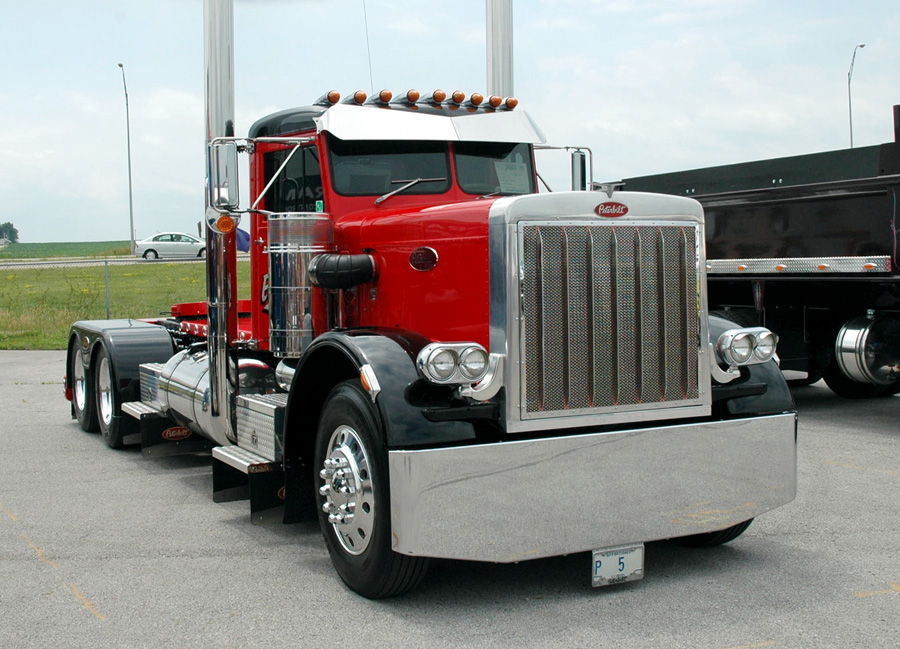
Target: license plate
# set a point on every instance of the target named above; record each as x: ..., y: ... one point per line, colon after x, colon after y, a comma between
x: 617, y: 565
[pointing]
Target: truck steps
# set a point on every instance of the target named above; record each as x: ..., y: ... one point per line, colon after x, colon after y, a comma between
x: 239, y: 474
x: 160, y: 436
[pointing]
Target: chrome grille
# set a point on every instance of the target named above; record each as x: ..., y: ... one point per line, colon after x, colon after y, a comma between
x: 610, y: 317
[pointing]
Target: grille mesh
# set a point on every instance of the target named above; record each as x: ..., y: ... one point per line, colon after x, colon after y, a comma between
x: 610, y: 316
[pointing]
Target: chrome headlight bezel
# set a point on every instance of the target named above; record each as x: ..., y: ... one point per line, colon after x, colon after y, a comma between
x: 747, y: 346
x: 460, y: 374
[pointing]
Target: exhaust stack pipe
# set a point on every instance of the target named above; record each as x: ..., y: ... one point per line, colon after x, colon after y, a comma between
x: 221, y: 249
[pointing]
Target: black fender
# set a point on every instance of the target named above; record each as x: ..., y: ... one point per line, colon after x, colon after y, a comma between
x: 338, y: 356
x: 128, y: 343
x: 760, y: 390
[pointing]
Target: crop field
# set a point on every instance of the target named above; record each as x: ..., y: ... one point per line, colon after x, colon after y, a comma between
x: 38, y: 305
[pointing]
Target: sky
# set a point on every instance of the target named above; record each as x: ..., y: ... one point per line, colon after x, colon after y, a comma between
x: 649, y: 86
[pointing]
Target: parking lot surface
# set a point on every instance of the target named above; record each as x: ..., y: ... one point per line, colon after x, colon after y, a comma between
x: 102, y: 548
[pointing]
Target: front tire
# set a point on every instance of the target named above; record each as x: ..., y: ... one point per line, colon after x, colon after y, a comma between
x: 353, y: 497
x: 107, y: 399
x: 712, y: 539
x: 83, y: 392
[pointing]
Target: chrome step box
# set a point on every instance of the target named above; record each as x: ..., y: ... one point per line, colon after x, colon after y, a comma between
x: 260, y: 424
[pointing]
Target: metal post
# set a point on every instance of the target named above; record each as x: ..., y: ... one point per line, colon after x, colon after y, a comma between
x: 106, y: 263
x: 499, y: 48
x: 849, y: 99
x: 128, y: 138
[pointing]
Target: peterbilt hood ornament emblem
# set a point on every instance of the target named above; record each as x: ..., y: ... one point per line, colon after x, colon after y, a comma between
x: 611, y: 209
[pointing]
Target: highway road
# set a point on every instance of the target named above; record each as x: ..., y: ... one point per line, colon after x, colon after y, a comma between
x: 102, y: 548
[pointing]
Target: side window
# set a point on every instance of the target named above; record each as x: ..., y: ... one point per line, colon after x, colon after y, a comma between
x: 298, y: 187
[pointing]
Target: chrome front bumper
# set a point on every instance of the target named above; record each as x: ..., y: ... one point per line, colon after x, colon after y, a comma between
x: 527, y: 499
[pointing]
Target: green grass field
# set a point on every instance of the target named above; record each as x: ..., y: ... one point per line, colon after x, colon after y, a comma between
x: 79, y: 249
x: 38, y: 305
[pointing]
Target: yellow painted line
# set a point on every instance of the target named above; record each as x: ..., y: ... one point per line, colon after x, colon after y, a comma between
x: 868, y: 469
x: 40, y: 553
x: 86, y: 601
x: 8, y: 513
x: 894, y: 588
x: 767, y: 643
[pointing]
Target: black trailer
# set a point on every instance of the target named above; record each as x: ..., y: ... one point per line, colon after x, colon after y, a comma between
x: 807, y: 246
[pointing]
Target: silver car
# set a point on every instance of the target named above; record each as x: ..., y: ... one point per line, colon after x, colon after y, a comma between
x: 170, y: 244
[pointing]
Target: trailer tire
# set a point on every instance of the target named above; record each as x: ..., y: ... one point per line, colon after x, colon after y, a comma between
x: 843, y: 386
x: 352, y: 478
x: 83, y: 403
x: 107, y: 399
x: 712, y: 539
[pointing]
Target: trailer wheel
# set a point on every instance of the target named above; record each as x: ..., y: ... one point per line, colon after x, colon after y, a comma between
x: 845, y: 387
x: 353, y: 497
x: 82, y: 393
x: 712, y: 539
x: 107, y: 399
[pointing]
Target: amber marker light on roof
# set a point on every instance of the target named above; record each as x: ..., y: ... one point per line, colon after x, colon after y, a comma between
x: 438, y: 96
x: 476, y: 99
x: 333, y: 97
x: 458, y: 97
x: 511, y: 102
x: 412, y: 96
x: 495, y: 101
x: 385, y: 96
x: 359, y: 97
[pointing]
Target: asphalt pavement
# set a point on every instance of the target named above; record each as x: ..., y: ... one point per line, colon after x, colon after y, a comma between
x: 102, y: 548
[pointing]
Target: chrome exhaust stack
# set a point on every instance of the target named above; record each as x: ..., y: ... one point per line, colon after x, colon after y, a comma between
x: 221, y: 249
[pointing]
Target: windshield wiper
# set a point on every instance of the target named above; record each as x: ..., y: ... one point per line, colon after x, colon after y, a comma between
x: 409, y: 183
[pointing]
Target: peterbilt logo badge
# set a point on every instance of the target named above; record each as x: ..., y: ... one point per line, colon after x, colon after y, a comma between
x: 611, y: 209
x: 177, y: 433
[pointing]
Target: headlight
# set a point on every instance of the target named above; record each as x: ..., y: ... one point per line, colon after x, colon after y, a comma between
x: 473, y: 363
x: 746, y: 346
x: 442, y: 364
x: 765, y: 346
x: 452, y: 363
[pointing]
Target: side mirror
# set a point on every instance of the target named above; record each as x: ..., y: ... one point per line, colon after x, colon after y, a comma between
x: 579, y: 170
x: 222, y: 176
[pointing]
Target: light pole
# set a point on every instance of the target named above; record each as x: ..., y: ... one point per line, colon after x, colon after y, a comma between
x: 128, y: 139
x: 849, y: 99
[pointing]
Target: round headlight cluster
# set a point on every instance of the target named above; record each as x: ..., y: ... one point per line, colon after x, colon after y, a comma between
x: 747, y: 346
x: 455, y: 363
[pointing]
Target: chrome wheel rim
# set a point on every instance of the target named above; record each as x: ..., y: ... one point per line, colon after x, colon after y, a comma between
x: 79, y: 384
x: 104, y: 392
x: 348, y: 490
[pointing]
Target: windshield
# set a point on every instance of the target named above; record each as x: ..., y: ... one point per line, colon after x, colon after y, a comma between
x: 494, y: 168
x: 377, y: 167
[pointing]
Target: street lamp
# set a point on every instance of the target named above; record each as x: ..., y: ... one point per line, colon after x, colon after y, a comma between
x: 128, y: 138
x: 849, y: 99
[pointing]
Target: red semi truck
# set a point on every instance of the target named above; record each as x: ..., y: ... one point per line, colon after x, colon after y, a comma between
x: 437, y: 360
